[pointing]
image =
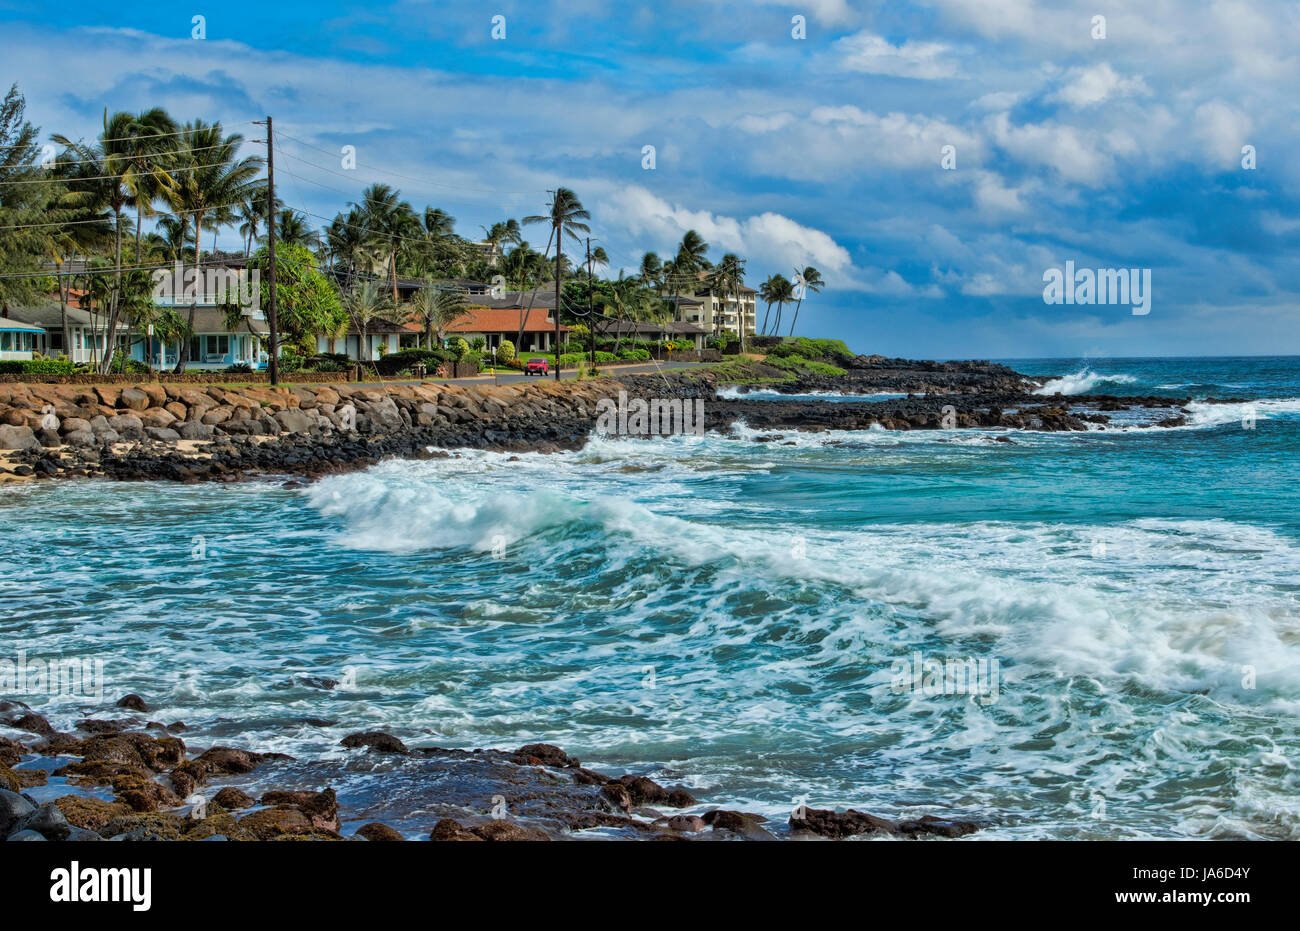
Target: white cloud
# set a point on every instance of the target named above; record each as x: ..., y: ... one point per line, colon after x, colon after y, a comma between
x: 1222, y: 130
x: 870, y: 53
x: 767, y: 239
x: 1088, y: 87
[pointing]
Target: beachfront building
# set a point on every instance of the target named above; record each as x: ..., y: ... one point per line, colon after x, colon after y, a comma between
x: 719, y: 313
x: 633, y: 331
x: 496, y: 324
x: 77, y: 329
x: 17, y: 339
x: 382, y: 337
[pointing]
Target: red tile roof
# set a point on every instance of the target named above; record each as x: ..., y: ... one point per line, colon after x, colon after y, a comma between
x: 503, y: 320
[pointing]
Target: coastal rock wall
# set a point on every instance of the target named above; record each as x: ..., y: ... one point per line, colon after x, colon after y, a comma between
x: 40, y: 415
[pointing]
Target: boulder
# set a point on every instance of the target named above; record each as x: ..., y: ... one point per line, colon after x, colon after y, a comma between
x: 73, y: 424
x: 12, y: 437
x: 13, y: 809
x: 194, y: 430
x: 162, y: 433
x: 376, y: 741
x: 295, y: 420
x: 128, y: 425
x: 133, y: 399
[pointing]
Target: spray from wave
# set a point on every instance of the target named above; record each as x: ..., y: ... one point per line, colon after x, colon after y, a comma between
x: 1082, y: 381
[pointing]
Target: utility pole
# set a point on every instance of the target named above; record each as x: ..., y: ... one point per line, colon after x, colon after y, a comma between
x: 591, y: 307
x: 271, y: 320
x: 559, y: 254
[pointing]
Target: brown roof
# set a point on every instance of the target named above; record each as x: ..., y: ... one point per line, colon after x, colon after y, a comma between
x: 503, y: 320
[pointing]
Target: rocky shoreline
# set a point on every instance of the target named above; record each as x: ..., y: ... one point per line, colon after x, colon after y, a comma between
x: 132, y: 779
x: 190, y: 433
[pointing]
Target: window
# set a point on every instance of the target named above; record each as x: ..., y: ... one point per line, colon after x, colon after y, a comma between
x: 6, y: 341
x: 219, y: 345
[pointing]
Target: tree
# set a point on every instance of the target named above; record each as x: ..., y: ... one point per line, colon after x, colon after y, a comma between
x: 24, y: 197
x: 685, y: 268
x: 292, y: 228
x: 145, y: 150
x: 211, y: 177
x: 307, y: 304
x: 728, y: 276
x: 566, y: 216
x: 365, y: 304
x: 435, y: 309
x: 782, y: 293
x: 386, y: 220
x: 767, y: 294
x: 812, y: 281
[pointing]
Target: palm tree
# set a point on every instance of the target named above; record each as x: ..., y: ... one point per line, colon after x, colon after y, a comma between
x: 500, y: 233
x: 101, y: 177
x: 212, y: 177
x: 812, y: 281
x: 251, y: 215
x: 435, y: 309
x: 767, y: 293
x: 365, y: 304
x: 346, y: 242
x: 691, y: 259
x: 387, y: 221
x: 146, y: 145
x: 728, y: 276
x: 566, y: 216
x: 782, y: 294
x: 291, y: 227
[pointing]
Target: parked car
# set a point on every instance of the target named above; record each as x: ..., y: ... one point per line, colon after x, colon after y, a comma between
x: 536, y: 366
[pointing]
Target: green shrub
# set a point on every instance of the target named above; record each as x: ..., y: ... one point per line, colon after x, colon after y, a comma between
x: 569, y: 359
x: 38, y: 367
x: 506, y: 351
x: 478, y: 344
x: 395, y: 362
x: 606, y: 357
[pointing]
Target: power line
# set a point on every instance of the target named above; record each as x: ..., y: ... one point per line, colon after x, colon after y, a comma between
x: 75, y: 180
x: 180, y: 132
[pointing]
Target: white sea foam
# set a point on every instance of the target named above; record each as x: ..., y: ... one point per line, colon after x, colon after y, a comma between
x: 1082, y: 381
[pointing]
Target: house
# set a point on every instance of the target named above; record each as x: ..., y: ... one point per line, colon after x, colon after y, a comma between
x: 496, y: 324
x: 85, y: 328
x: 17, y: 339
x: 718, y: 313
x: 382, y: 337
x: 653, y: 332
x: 213, y: 345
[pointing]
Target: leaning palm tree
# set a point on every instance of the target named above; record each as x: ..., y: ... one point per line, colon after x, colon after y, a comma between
x: 782, y: 294
x: 387, y: 221
x: 435, y: 309
x: 566, y: 216
x: 145, y: 150
x: 99, y: 171
x: 211, y: 178
x: 812, y: 281
x: 364, y: 305
x: 767, y: 294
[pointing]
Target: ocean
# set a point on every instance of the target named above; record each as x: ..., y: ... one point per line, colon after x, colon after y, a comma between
x: 755, y: 620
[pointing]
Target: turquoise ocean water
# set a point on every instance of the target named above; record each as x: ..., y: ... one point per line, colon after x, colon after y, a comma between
x: 730, y: 614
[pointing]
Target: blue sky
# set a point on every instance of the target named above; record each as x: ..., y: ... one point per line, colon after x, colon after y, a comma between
x: 1122, y: 152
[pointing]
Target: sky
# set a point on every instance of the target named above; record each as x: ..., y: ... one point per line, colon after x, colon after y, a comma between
x: 1115, y: 152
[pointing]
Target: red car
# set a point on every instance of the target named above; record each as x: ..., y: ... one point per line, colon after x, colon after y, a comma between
x: 537, y: 367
